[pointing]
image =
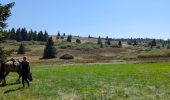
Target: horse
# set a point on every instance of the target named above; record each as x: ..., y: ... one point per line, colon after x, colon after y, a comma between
x: 12, y: 65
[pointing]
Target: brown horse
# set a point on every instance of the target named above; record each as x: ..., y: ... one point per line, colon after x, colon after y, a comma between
x: 12, y: 66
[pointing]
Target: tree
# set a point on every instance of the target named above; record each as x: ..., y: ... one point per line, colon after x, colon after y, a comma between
x: 78, y: 41
x: 99, y: 41
x: 69, y: 38
x: 101, y: 45
x: 40, y: 36
x: 4, y: 14
x: 12, y: 34
x: 30, y: 35
x: 153, y: 42
x: 58, y: 34
x: 108, y: 40
x: 49, y: 50
x: 24, y: 35
x: 21, y: 49
x: 57, y: 37
x: 134, y: 42
x: 45, y: 36
x: 64, y: 34
x: 18, y: 35
x: 35, y: 35
x: 62, y: 38
x: 120, y: 44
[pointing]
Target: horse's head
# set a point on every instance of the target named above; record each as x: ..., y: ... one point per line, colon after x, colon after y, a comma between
x: 30, y: 77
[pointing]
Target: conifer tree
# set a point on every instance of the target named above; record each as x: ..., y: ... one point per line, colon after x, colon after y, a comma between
x: 49, y: 50
x: 99, y: 41
x: 120, y: 44
x: 69, y: 38
x: 40, y: 36
x: 21, y: 49
x: 64, y: 34
x: 12, y: 34
x: 45, y: 36
x: 18, y: 35
x: 58, y: 34
x: 4, y: 14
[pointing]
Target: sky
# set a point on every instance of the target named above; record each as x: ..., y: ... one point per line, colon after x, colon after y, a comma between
x: 113, y: 18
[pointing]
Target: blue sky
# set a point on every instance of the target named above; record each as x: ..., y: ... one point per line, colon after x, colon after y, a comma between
x: 113, y: 18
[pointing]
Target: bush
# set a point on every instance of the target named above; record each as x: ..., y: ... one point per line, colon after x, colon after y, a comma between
x: 115, y: 46
x: 67, y: 56
x: 158, y: 47
x: 63, y: 47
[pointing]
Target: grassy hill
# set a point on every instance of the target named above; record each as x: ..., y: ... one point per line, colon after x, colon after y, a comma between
x: 89, y: 52
x: 93, y: 82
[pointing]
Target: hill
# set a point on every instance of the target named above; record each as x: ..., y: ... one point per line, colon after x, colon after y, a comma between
x: 89, y: 52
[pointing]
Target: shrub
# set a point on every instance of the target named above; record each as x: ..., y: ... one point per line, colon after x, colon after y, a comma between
x: 158, y: 47
x: 78, y: 41
x: 115, y: 46
x: 63, y: 47
x: 67, y: 56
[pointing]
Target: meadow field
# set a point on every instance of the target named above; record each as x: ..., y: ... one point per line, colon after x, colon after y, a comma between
x: 149, y: 81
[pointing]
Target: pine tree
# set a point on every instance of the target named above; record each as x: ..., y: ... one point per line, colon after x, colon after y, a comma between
x: 21, y: 49
x: 35, y: 35
x: 134, y: 42
x: 4, y: 14
x: 30, y: 35
x: 108, y: 42
x: 153, y: 42
x: 99, y: 41
x: 101, y: 45
x: 18, y: 35
x: 50, y: 50
x: 120, y: 44
x: 45, y: 36
x: 58, y: 34
x: 69, y: 38
x: 62, y: 37
x: 24, y: 35
x: 40, y: 36
x: 64, y: 34
x: 13, y: 34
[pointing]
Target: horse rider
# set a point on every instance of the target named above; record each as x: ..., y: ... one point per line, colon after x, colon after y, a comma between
x: 25, y: 71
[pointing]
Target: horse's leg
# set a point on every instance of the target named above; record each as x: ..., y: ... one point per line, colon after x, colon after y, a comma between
x: 19, y: 73
x: 6, y: 74
x: 3, y: 82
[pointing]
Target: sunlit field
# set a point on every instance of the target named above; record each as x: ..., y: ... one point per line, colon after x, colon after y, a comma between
x: 93, y: 82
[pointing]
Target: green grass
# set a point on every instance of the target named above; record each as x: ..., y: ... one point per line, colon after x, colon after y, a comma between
x: 93, y: 82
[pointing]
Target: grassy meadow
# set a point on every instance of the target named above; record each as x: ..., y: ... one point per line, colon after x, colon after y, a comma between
x: 149, y: 81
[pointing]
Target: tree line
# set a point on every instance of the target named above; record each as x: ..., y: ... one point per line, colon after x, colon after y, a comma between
x: 22, y: 34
